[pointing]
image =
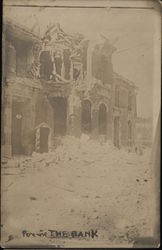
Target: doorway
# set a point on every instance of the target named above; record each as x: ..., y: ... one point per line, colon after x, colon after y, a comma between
x: 60, y: 115
x: 44, y: 134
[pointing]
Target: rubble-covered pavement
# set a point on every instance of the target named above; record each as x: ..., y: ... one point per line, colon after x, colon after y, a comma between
x: 82, y: 185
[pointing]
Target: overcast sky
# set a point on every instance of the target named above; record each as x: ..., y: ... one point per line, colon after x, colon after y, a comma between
x: 131, y: 31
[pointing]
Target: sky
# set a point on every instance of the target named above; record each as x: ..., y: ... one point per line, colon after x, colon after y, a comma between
x: 131, y: 31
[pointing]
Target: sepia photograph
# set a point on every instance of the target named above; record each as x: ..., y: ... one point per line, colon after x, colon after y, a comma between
x: 80, y: 124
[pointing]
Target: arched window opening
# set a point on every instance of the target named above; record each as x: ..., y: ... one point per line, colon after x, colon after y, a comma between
x: 46, y: 65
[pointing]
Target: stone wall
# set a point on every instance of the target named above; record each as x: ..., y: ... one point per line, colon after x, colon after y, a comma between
x: 126, y: 109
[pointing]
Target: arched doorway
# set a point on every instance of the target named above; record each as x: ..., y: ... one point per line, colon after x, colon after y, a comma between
x: 116, y: 132
x: 59, y: 105
x: 41, y: 110
x: 86, y: 117
x: 102, y: 120
x: 44, y: 134
x: 42, y: 138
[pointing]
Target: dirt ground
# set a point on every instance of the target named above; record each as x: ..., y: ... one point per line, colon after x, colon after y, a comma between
x: 80, y: 186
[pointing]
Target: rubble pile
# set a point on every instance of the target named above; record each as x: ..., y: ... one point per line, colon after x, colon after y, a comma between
x: 71, y: 148
x: 83, y: 184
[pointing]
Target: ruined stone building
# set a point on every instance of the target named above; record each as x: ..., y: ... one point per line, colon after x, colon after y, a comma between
x: 61, y: 84
x: 144, y: 131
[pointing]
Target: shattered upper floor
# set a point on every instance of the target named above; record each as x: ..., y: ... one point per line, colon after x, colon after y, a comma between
x: 59, y: 61
x: 57, y: 56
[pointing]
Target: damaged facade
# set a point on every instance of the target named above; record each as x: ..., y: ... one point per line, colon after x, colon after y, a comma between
x: 62, y: 84
x: 144, y: 131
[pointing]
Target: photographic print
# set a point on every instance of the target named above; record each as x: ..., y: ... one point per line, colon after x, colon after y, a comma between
x: 80, y: 127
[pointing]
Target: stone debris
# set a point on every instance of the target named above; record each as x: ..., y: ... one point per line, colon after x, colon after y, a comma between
x: 103, y: 194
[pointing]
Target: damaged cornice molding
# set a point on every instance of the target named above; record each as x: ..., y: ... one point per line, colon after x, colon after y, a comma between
x: 59, y: 3
x: 85, y: 3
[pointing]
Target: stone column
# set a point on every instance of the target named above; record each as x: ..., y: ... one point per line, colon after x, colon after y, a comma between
x: 76, y: 122
x: 7, y: 148
x: 74, y: 115
x: 109, y: 120
x: 89, y: 63
x: 94, y: 122
x: 3, y: 54
x: 120, y: 131
x: 10, y: 64
x: 71, y: 71
x: 33, y: 107
x: 29, y: 114
x: 113, y: 130
x: 63, y: 70
x: 32, y: 112
x: 133, y: 131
